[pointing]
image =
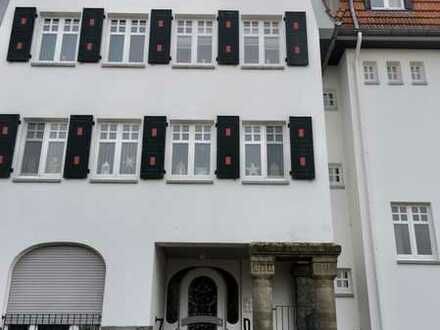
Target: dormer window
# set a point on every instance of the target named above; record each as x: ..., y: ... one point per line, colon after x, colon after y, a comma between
x: 387, y: 5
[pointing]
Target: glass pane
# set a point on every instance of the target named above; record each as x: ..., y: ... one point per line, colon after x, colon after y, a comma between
x: 377, y: 3
x: 253, y: 159
x: 204, y: 50
x: 251, y: 55
x: 54, y: 158
x: 128, y: 158
x: 137, y: 45
x: 184, y: 49
x: 275, y: 166
x: 423, y: 239
x: 271, y: 50
x: 31, y: 158
x: 106, y: 158
x: 180, y: 159
x: 395, y: 3
x: 403, y: 243
x: 116, y: 49
x: 47, y: 51
x: 68, y: 47
x: 202, y: 158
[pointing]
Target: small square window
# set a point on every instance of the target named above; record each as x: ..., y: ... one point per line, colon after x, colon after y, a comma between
x: 343, y: 282
x: 387, y: 4
x: 336, y: 175
x: 330, y: 100
x: 370, y: 73
x: 394, y: 73
x: 418, y: 74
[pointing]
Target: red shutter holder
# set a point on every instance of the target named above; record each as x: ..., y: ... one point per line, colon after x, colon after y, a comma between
x: 76, y: 160
x: 5, y: 130
x: 295, y: 26
x: 154, y: 132
x: 159, y: 48
x: 19, y: 45
x: 228, y: 24
x: 228, y: 131
x: 228, y: 49
x: 303, y: 161
x: 296, y: 50
x: 79, y: 131
x: 152, y: 161
x: 228, y: 160
x: 89, y: 46
x: 301, y: 132
x: 161, y: 23
x: 23, y: 20
x: 91, y: 22
x: 2, y: 159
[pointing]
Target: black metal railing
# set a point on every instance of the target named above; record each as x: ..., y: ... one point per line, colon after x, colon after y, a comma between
x: 284, y: 317
x: 48, y: 321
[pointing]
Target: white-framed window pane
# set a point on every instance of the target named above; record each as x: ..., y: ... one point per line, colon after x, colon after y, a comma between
x: 184, y: 49
x: 68, y: 47
x: 251, y: 50
x: 180, y: 159
x: 272, y: 50
x: 275, y: 160
x: 377, y: 3
x: 31, y: 157
x: 137, y: 45
x: 54, y: 159
x: 202, y: 157
x: 253, y: 159
x: 128, y: 158
x: 395, y: 4
x: 106, y: 158
x: 403, y: 243
x: 116, y: 49
x: 204, y: 49
x: 423, y: 239
x: 48, y: 44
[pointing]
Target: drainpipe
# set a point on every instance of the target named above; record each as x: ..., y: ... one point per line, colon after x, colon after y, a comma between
x: 369, y: 238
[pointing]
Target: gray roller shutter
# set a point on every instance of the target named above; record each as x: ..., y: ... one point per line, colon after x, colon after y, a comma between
x: 57, y: 280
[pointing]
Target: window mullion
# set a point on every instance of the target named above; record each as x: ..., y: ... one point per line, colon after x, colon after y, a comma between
x: 127, y: 41
x: 261, y: 41
x: 191, y: 150
x: 44, y: 148
x: 194, y: 44
x: 59, y: 40
x: 118, y: 147
x: 263, y: 152
x: 412, y: 234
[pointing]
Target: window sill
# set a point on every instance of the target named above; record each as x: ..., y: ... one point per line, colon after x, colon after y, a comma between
x: 417, y: 262
x: 124, y: 65
x: 190, y: 181
x: 262, y: 67
x: 371, y: 83
x: 266, y: 182
x: 419, y: 83
x: 54, y: 64
x: 194, y: 66
x: 31, y: 179
x: 337, y: 187
x: 344, y: 295
x: 395, y: 83
x: 113, y: 180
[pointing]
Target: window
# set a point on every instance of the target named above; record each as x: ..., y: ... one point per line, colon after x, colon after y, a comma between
x: 127, y: 41
x: 418, y: 75
x: 59, y: 39
x: 191, y: 154
x: 343, y: 282
x: 387, y: 4
x: 118, y: 145
x: 413, y: 230
x: 44, y: 148
x: 335, y: 175
x: 262, y: 42
x: 263, y: 151
x: 370, y: 73
x: 194, y: 41
x: 394, y: 73
x: 329, y: 100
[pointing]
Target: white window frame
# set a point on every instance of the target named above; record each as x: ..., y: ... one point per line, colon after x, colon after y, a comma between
x: 194, y: 39
x: 261, y: 36
x: 398, y: 80
x: 44, y: 149
x: 118, y: 146
x: 263, y: 152
x: 59, y: 41
x: 386, y: 6
x: 412, y: 236
x: 327, y: 95
x: 375, y: 79
x: 335, y: 184
x: 126, y: 52
x: 344, y: 275
x: 422, y: 73
x: 190, y: 177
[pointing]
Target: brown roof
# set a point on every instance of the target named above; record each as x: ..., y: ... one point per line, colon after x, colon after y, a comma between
x: 425, y: 14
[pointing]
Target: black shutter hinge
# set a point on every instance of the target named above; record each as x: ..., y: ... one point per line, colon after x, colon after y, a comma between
x: 88, y: 171
x: 36, y: 15
x: 11, y: 170
x: 93, y: 123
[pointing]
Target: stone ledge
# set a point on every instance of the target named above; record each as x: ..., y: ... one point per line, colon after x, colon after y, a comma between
x: 127, y: 328
x: 299, y: 250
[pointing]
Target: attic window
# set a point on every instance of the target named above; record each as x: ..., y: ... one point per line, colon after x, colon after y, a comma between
x: 387, y: 4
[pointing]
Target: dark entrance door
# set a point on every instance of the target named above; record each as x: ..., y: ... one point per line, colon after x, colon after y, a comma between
x: 202, y: 301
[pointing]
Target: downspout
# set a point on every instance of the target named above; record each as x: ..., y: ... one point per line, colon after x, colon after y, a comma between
x: 370, y: 244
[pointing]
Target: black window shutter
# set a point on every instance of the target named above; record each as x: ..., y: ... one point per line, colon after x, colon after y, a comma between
x: 91, y: 35
x: 8, y: 133
x: 409, y: 4
x: 228, y: 147
x: 367, y: 4
x: 153, y: 147
x: 228, y: 37
x: 21, y: 34
x: 301, y: 148
x: 296, y: 39
x: 160, y: 36
x: 76, y: 165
